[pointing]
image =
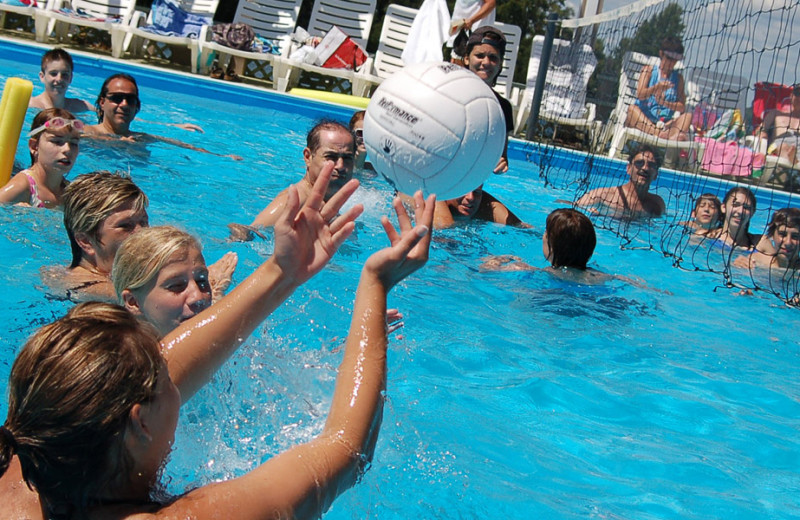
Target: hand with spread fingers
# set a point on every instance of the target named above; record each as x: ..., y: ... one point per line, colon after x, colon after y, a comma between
x: 307, y: 238
x: 409, y: 249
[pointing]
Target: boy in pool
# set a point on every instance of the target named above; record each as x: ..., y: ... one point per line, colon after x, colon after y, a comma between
x: 475, y: 205
x: 56, y: 76
x: 706, y: 215
x: 783, y: 239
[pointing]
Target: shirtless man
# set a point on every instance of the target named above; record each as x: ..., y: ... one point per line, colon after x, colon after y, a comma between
x: 56, y: 76
x: 782, y: 129
x: 328, y: 141
x: 117, y: 106
x: 633, y: 199
x: 475, y: 205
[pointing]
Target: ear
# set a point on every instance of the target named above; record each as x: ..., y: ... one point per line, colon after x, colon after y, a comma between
x: 307, y: 156
x: 41, y: 76
x: 85, y: 243
x: 130, y: 302
x: 33, y: 144
x: 137, y: 424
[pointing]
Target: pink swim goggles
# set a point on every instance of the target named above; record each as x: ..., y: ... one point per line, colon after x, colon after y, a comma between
x: 57, y: 123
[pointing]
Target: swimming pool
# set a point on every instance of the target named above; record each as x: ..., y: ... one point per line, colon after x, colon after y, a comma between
x: 509, y: 394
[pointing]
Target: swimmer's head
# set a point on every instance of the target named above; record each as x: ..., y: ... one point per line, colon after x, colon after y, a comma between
x: 70, y: 125
x: 90, y: 199
x: 134, y: 101
x: 314, y: 137
x: 569, y: 238
x: 71, y: 393
x: 789, y: 217
x: 160, y: 274
x: 707, y: 211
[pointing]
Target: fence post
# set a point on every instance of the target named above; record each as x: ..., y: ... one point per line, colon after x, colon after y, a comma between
x: 544, y: 61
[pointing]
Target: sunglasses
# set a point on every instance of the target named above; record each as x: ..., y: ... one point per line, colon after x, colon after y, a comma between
x: 118, y: 97
x: 57, y: 123
x: 642, y: 164
x: 359, y: 132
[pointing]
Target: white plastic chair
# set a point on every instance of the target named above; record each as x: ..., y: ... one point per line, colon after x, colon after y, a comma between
x: 101, y: 15
x: 564, y: 97
x: 140, y: 20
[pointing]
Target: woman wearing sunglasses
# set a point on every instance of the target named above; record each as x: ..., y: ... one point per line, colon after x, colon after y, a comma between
x: 54, y: 141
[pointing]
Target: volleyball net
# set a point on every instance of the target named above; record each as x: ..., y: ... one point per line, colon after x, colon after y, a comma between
x: 739, y: 60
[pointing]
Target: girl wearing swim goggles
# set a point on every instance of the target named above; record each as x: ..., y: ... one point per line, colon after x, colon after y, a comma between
x: 54, y: 142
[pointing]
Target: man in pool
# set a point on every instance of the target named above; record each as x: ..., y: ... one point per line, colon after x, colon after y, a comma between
x: 101, y: 210
x: 117, y: 106
x: 327, y: 141
x: 633, y: 199
x: 475, y: 205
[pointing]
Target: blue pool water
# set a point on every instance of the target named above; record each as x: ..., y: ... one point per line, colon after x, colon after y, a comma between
x: 510, y: 394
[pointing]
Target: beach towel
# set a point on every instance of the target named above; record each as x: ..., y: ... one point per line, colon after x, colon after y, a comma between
x: 428, y: 33
x: 170, y: 20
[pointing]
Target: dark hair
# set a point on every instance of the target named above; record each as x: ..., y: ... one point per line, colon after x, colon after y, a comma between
x: 789, y: 217
x: 104, y: 91
x: 358, y: 116
x: 642, y: 148
x: 740, y: 190
x: 712, y: 198
x: 570, y: 238
x: 46, y: 115
x: 71, y: 391
x: 57, y: 54
x: 313, y: 139
x: 671, y: 44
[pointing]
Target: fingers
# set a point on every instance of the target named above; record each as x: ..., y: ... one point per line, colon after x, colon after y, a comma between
x: 342, y: 220
x: 317, y: 197
x: 335, y: 203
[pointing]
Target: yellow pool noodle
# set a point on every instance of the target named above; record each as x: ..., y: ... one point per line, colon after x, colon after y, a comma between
x: 13, y: 105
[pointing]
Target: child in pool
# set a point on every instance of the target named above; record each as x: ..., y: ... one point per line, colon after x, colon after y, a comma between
x: 56, y: 76
x: 706, y: 215
x: 783, y: 235
x: 54, y: 141
x: 738, y: 207
x: 568, y: 244
x: 114, y: 392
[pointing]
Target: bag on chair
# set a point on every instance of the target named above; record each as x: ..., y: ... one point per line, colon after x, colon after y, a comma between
x: 234, y: 35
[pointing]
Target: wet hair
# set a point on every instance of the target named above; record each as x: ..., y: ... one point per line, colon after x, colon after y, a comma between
x: 90, y: 199
x: 789, y: 217
x: 358, y: 116
x: 714, y: 200
x: 142, y: 256
x: 71, y: 391
x: 642, y: 148
x: 671, y: 44
x: 57, y: 54
x: 570, y: 237
x: 313, y: 139
x: 44, y: 116
x: 104, y: 91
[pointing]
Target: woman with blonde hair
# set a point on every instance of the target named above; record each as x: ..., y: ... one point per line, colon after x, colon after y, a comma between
x: 160, y: 274
x: 94, y: 401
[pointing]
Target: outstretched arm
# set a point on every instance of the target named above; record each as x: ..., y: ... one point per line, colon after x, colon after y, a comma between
x: 304, y: 243
x: 181, y: 144
x: 302, y: 482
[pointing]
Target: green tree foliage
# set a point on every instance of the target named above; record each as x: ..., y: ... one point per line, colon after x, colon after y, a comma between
x: 604, y: 85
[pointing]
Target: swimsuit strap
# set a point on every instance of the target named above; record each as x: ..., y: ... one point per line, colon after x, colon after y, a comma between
x: 36, y: 202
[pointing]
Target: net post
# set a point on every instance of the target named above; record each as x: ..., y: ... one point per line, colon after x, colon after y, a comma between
x: 544, y: 61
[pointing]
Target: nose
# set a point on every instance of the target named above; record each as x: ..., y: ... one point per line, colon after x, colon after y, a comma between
x: 197, y: 300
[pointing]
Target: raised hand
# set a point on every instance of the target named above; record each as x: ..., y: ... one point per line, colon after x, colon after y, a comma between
x: 307, y: 238
x: 409, y: 249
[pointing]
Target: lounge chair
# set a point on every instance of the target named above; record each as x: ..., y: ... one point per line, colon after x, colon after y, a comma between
x: 564, y: 98
x: 632, y: 64
x: 142, y: 30
x: 777, y: 170
x: 19, y: 9
x: 102, y: 15
x: 394, y: 35
x: 354, y: 18
x: 273, y: 20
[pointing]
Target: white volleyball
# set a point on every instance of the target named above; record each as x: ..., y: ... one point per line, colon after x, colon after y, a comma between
x: 436, y: 127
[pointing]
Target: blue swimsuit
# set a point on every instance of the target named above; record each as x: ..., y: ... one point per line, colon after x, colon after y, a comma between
x: 650, y: 106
